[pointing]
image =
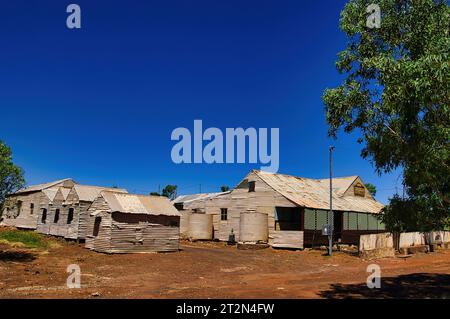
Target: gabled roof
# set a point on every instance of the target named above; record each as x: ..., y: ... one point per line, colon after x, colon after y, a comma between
x: 195, y: 197
x: 51, y: 193
x: 313, y: 193
x: 65, y: 192
x: 139, y: 204
x: 340, y: 184
x: 88, y: 193
x: 41, y: 187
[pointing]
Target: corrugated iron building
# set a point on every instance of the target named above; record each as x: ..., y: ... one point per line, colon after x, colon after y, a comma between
x: 23, y: 208
x: 189, y: 204
x: 296, y: 208
x: 75, y: 212
x: 128, y: 223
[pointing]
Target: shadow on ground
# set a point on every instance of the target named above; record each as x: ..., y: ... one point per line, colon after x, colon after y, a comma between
x: 419, y: 285
x: 16, y: 255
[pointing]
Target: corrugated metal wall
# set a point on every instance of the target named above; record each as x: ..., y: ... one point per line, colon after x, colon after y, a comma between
x: 362, y: 221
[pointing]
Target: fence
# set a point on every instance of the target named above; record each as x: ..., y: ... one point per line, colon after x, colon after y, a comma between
x: 385, y: 244
x: 376, y: 245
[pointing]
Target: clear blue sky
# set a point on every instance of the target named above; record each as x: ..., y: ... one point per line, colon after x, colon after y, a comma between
x: 99, y: 104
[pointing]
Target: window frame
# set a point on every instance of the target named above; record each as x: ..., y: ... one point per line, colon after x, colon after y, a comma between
x: 97, y: 226
x: 19, y: 208
x: 56, y: 218
x: 44, y: 216
x: 224, y: 213
x: 70, y: 214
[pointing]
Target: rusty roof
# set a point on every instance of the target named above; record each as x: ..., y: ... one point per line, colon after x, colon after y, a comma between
x: 89, y: 193
x: 195, y: 197
x: 139, y: 204
x: 313, y: 193
x: 41, y: 187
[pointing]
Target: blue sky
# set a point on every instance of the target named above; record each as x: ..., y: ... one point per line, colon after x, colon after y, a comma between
x: 99, y: 104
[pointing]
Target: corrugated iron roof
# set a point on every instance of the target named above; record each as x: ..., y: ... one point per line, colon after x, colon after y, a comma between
x: 195, y: 197
x: 40, y: 187
x: 315, y: 193
x: 89, y: 193
x: 139, y: 204
x: 340, y: 184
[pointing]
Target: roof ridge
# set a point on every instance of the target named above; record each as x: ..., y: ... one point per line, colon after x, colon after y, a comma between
x: 42, y: 186
x: 301, y: 177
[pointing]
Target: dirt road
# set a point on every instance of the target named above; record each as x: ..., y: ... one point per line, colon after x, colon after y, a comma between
x: 215, y: 270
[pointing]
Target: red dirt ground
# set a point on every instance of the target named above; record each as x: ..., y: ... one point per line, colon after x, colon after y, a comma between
x: 215, y: 270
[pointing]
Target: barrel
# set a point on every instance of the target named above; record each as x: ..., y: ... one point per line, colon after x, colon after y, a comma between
x: 200, y: 226
x: 253, y: 227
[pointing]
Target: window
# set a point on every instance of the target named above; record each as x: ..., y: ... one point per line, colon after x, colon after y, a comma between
x: 56, y: 219
x: 362, y: 221
x: 321, y: 218
x: 288, y: 218
x: 251, y: 186
x: 97, y: 223
x: 19, y: 208
x: 70, y: 216
x: 373, y: 222
x: 44, y: 216
x: 352, y: 221
x: 359, y: 190
x: 310, y: 219
x: 224, y: 214
x: 31, y: 209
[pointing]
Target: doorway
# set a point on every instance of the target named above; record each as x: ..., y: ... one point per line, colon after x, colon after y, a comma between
x: 97, y: 222
x: 338, y: 223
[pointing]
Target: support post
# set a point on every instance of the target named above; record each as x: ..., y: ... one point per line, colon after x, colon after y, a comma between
x: 330, y: 218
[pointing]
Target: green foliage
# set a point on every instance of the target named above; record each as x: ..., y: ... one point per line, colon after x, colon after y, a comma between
x: 404, y: 215
x: 170, y: 191
x: 28, y: 239
x: 372, y: 189
x: 11, y: 176
x: 396, y: 94
x: 155, y: 194
x: 224, y: 188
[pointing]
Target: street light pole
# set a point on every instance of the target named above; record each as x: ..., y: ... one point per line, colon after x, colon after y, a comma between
x: 331, y: 219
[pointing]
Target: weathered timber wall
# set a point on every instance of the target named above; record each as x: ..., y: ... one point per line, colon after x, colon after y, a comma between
x: 287, y: 239
x: 25, y: 218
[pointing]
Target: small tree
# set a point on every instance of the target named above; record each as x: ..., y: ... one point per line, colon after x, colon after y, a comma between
x: 170, y: 191
x: 372, y: 189
x: 11, y: 176
x: 224, y: 188
x: 155, y: 194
